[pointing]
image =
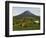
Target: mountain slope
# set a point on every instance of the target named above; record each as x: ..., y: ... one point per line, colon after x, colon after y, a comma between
x: 26, y: 14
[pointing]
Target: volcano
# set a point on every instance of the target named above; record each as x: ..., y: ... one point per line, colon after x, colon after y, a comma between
x: 26, y: 21
x: 26, y: 14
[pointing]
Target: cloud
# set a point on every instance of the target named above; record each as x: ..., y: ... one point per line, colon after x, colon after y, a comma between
x: 19, y: 10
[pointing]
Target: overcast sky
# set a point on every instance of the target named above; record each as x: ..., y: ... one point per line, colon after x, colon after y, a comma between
x: 18, y: 10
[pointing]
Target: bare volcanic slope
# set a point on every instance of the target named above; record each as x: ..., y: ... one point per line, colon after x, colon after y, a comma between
x: 26, y: 14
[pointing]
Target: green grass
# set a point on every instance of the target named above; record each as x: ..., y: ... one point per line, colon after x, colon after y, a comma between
x: 28, y: 23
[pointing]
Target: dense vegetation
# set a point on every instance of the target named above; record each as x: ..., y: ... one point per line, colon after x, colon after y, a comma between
x: 26, y: 23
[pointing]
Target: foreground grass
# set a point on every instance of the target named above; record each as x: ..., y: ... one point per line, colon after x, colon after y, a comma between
x: 26, y: 23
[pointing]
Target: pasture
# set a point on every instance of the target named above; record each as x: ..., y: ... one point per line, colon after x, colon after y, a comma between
x: 26, y: 23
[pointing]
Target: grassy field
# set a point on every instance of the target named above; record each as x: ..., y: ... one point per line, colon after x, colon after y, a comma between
x: 26, y: 23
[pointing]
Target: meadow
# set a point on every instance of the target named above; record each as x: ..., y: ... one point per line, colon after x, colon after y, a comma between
x: 26, y: 23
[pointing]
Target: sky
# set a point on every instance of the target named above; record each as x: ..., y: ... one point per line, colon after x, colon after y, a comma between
x: 19, y: 10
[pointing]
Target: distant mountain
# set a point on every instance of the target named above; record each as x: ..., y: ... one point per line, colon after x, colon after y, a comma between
x: 26, y: 14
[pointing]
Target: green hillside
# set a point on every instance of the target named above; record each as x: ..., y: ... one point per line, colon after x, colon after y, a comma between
x: 26, y: 23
